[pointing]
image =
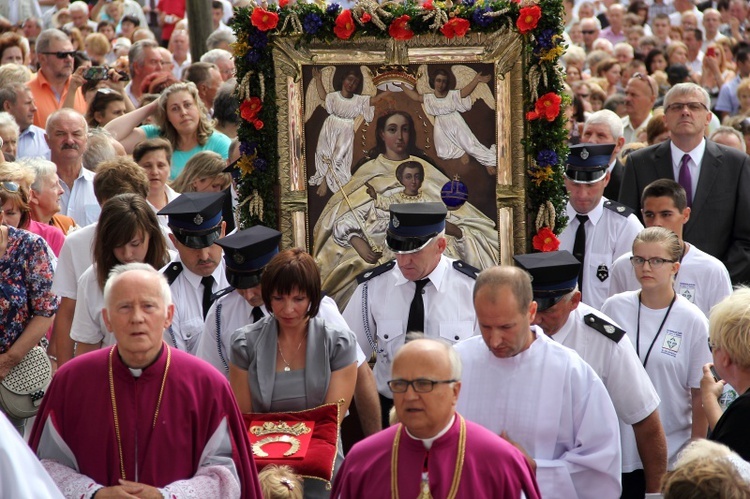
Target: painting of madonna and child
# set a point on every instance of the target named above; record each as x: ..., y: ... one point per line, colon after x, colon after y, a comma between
x: 375, y: 136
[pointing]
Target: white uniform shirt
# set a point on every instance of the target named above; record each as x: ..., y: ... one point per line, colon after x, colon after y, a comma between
x: 75, y: 257
x: 80, y: 203
x: 187, y: 296
x: 609, y: 234
x: 675, y: 364
x: 449, y: 312
x: 617, y: 364
x: 236, y: 313
x: 703, y: 280
x: 88, y: 324
x: 555, y: 406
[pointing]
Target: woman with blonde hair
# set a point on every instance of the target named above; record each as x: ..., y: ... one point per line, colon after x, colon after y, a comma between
x: 204, y: 172
x: 181, y: 118
x: 97, y: 47
x: 670, y: 337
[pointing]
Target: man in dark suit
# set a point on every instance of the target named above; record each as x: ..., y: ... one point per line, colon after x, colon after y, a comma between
x: 605, y: 127
x: 716, y: 179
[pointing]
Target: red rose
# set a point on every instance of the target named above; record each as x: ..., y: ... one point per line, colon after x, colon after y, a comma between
x: 264, y: 19
x: 283, y: 3
x: 399, y: 28
x: 259, y: 124
x: 250, y: 108
x: 455, y: 27
x: 344, y: 28
x: 366, y: 17
x: 545, y: 240
x: 528, y: 18
x: 428, y: 5
x: 546, y: 107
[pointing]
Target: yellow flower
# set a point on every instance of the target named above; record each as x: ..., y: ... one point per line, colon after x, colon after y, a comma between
x: 240, y: 48
x: 552, y: 54
x: 541, y: 175
x: 246, y: 164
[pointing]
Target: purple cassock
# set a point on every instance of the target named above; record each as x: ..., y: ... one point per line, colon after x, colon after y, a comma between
x: 492, y: 467
x: 197, y: 438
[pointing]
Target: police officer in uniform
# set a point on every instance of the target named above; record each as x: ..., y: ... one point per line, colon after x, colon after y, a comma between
x: 196, y: 223
x: 599, y: 230
x: 606, y: 348
x: 246, y: 253
x: 422, y: 290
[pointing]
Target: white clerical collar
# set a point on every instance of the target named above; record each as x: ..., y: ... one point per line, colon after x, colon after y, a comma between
x: 428, y: 441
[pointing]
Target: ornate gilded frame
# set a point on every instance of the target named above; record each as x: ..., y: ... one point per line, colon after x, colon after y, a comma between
x: 502, y: 49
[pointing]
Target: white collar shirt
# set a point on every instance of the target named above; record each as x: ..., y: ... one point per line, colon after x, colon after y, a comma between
x: 694, y: 165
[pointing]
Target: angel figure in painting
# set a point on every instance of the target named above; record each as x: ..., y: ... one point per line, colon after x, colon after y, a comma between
x: 453, y: 137
x: 349, y: 97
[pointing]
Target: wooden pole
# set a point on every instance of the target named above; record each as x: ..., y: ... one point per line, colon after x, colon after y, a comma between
x: 200, y: 26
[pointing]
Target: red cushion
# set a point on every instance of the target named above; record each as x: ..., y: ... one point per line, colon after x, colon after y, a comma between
x: 320, y: 457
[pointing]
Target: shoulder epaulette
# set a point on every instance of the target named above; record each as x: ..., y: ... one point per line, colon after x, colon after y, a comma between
x: 173, y: 270
x: 618, y: 208
x: 380, y: 269
x: 221, y: 293
x: 611, y: 331
x: 466, y: 269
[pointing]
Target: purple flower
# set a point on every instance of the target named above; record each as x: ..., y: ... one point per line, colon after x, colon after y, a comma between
x: 544, y: 40
x: 311, y: 23
x: 480, y: 19
x: 248, y: 148
x: 333, y: 9
x: 257, y: 39
x: 260, y: 164
x: 252, y: 56
x: 546, y: 157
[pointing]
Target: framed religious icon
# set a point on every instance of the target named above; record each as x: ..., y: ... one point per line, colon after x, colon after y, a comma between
x: 366, y: 129
x: 363, y: 122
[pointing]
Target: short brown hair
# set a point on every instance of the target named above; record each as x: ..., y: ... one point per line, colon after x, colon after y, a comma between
x: 292, y: 269
x: 151, y: 145
x: 119, y: 176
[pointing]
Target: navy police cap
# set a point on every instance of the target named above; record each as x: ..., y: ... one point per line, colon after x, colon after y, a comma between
x: 413, y: 225
x: 195, y: 218
x: 588, y: 163
x: 247, y: 252
x: 554, y: 274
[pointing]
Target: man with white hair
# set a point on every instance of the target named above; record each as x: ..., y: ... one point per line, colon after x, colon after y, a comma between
x: 144, y: 59
x: 614, y: 32
x: 640, y: 95
x: 67, y: 138
x: 730, y: 137
x: 17, y: 99
x: 711, y: 24
x: 79, y: 12
x: 9, y: 132
x: 176, y: 431
x: 605, y: 127
x: 179, y: 45
x: 590, y: 29
x: 223, y: 60
x: 51, y: 83
x: 624, y: 53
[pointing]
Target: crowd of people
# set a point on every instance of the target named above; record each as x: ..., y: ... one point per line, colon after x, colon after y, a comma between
x: 169, y: 330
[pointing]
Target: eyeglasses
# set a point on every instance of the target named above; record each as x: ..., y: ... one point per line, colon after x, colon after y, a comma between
x: 420, y: 385
x: 61, y: 55
x: 9, y: 186
x: 644, y: 78
x: 588, y: 32
x: 654, y: 262
x: 693, y: 107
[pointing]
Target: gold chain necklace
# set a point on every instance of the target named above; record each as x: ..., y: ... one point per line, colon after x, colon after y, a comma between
x: 287, y: 366
x: 114, y: 403
x: 460, y: 454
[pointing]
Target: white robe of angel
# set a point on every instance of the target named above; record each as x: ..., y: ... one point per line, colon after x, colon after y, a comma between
x: 453, y: 137
x: 333, y: 156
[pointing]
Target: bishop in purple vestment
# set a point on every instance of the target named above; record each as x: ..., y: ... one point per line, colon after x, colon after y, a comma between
x: 142, y: 418
x: 433, y: 450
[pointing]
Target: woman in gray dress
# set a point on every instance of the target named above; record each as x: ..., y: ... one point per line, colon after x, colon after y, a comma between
x: 292, y: 360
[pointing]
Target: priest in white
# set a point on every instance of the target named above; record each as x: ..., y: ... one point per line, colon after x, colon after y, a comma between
x: 538, y: 394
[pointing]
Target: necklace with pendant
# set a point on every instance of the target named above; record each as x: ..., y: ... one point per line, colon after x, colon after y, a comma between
x: 287, y: 366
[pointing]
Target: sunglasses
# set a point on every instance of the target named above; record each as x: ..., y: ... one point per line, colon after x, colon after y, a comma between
x: 588, y: 32
x: 105, y: 91
x: 9, y: 186
x: 61, y: 55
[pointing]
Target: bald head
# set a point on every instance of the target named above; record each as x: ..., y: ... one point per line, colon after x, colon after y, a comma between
x: 493, y: 279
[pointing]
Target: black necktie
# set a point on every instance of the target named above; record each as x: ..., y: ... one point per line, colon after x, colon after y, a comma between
x: 579, y: 246
x: 208, y: 283
x: 257, y: 314
x: 416, y: 311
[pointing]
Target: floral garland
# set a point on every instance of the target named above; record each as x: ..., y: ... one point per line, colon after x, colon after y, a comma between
x: 538, y: 21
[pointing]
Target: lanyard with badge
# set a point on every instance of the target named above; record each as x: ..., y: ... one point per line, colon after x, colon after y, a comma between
x: 658, y: 331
